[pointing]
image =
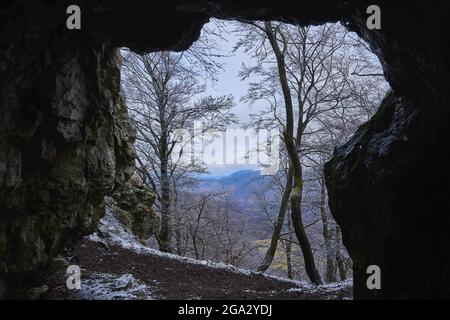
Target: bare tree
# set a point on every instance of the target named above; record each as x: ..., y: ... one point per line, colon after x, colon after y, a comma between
x: 319, y: 76
x: 212, y: 228
x: 163, y: 93
x: 282, y: 183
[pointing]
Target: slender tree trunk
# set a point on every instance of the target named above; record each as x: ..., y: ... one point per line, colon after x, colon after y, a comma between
x: 176, y: 226
x: 330, y: 268
x: 288, y: 137
x: 165, y: 233
x: 194, y: 244
x: 297, y: 222
x: 290, y: 273
x: 178, y: 243
x: 342, y: 268
x: 267, y: 261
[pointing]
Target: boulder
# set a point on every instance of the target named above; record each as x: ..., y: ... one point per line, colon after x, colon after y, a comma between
x: 133, y: 207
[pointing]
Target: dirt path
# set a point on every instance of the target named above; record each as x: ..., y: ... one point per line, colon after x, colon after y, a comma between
x: 113, y: 272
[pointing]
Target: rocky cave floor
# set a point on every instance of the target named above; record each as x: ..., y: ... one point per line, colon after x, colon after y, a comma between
x: 114, y: 265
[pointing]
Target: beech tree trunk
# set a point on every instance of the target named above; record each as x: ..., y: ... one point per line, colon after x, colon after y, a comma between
x: 165, y: 232
x: 268, y: 258
x: 288, y: 137
x: 330, y: 268
x: 290, y: 273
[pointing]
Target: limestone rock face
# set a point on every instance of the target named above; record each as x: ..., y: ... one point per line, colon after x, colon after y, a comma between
x: 65, y: 142
x: 65, y: 138
x: 387, y: 191
x: 133, y: 206
x: 376, y: 183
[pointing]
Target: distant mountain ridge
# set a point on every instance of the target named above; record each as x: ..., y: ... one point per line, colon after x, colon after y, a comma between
x: 241, y: 184
x: 236, y: 177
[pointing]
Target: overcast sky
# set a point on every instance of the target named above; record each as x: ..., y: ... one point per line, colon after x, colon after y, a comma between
x: 229, y: 83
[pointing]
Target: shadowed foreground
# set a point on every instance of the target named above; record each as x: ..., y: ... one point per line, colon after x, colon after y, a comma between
x: 114, y: 265
x: 124, y: 274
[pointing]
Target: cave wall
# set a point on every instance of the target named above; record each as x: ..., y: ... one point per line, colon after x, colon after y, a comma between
x: 65, y: 142
x: 388, y: 189
x: 65, y: 137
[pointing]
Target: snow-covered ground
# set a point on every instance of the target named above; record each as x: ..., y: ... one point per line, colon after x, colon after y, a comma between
x: 104, y: 286
x: 329, y: 289
x: 107, y: 286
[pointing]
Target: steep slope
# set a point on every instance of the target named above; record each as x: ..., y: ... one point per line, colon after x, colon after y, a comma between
x: 116, y: 266
x: 65, y: 142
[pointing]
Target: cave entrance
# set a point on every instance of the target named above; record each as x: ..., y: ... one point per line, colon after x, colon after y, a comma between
x: 66, y: 142
x: 211, y: 126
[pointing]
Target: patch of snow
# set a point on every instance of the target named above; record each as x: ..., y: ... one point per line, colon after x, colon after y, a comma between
x: 113, y: 233
x: 326, y: 289
x: 104, y: 286
x: 337, y: 286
